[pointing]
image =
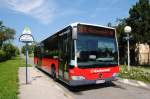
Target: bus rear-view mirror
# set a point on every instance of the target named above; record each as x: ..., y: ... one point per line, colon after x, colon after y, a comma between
x: 74, y: 33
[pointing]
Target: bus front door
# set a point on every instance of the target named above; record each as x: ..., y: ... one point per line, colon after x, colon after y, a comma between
x: 63, y: 58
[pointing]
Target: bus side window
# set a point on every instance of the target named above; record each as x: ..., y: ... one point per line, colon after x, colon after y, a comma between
x: 63, y: 47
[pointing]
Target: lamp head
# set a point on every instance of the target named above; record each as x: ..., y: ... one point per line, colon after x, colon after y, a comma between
x: 127, y: 29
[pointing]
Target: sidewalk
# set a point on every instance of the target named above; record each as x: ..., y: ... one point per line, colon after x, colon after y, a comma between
x: 40, y: 86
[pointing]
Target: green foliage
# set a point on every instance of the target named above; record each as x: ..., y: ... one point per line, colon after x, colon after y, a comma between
x: 109, y: 24
x: 120, y: 28
x: 23, y: 50
x: 139, y: 20
x: 17, y: 52
x: 135, y: 73
x: 121, y: 40
x: 8, y: 51
x: 6, y: 33
x: 9, y: 79
x: 30, y: 49
x: 2, y: 55
x: 23, y: 63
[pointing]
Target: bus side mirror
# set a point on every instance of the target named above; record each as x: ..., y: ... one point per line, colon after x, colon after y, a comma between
x: 74, y: 33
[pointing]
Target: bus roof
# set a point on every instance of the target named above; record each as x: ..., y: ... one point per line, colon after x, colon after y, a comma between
x: 76, y: 24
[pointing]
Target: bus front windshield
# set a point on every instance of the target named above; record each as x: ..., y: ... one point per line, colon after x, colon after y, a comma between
x: 94, y: 49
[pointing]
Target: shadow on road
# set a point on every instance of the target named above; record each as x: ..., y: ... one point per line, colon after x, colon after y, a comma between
x: 79, y: 89
x: 119, y: 86
x: 90, y: 87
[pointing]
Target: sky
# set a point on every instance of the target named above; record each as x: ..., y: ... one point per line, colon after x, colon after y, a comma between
x: 46, y: 17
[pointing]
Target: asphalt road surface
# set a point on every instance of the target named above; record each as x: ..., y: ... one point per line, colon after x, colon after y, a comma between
x: 116, y: 90
x: 103, y: 91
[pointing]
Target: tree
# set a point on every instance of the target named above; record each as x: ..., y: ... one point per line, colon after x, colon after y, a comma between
x: 139, y: 20
x: 7, y: 50
x: 30, y: 49
x: 1, y: 33
x: 109, y: 24
x: 6, y: 34
x: 121, y: 40
x: 10, y: 50
x: 2, y: 56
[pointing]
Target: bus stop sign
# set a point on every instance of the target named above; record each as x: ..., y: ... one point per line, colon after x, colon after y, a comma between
x: 26, y: 36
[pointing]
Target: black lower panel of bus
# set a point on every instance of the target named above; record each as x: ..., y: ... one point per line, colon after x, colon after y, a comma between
x: 88, y: 82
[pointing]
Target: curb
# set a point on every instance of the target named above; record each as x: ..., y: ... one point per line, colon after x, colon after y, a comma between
x: 134, y: 83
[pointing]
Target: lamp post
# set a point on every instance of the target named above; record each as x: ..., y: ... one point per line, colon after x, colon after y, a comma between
x: 127, y: 30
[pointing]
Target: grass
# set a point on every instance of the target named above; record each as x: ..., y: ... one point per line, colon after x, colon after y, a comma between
x: 144, y: 68
x: 9, y: 78
x: 141, y: 73
x: 23, y: 63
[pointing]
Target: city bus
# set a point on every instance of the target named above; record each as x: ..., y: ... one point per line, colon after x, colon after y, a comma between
x: 80, y: 54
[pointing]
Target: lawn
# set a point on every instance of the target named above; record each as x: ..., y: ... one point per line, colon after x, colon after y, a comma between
x: 23, y: 63
x: 145, y: 68
x: 141, y: 73
x: 9, y: 78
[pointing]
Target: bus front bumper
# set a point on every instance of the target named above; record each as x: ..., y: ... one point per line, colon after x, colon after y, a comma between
x: 89, y: 82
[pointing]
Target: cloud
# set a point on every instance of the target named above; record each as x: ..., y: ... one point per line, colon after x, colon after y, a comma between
x: 42, y: 10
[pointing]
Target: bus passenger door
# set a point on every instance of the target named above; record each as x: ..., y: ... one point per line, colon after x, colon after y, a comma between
x: 39, y: 57
x: 63, y: 57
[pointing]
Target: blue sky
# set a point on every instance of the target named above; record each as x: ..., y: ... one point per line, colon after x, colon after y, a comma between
x: 45, y: 17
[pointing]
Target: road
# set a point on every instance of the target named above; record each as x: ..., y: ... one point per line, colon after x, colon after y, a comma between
x: 117, y: 90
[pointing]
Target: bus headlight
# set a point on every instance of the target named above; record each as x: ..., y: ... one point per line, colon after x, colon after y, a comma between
x: 78, y: 78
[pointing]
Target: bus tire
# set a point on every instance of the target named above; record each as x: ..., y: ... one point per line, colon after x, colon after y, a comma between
x: 53, y: 73
x: 108, y: 83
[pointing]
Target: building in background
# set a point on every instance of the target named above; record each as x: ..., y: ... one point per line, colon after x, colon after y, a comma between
x: 143, y: 52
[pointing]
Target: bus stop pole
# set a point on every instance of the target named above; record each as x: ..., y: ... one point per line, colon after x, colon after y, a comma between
x: 26, y: 63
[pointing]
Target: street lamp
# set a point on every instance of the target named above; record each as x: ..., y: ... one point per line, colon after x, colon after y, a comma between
x: 127, y: 30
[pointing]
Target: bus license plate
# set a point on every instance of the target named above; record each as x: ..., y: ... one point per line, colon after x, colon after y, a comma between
x: 100, y: 81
